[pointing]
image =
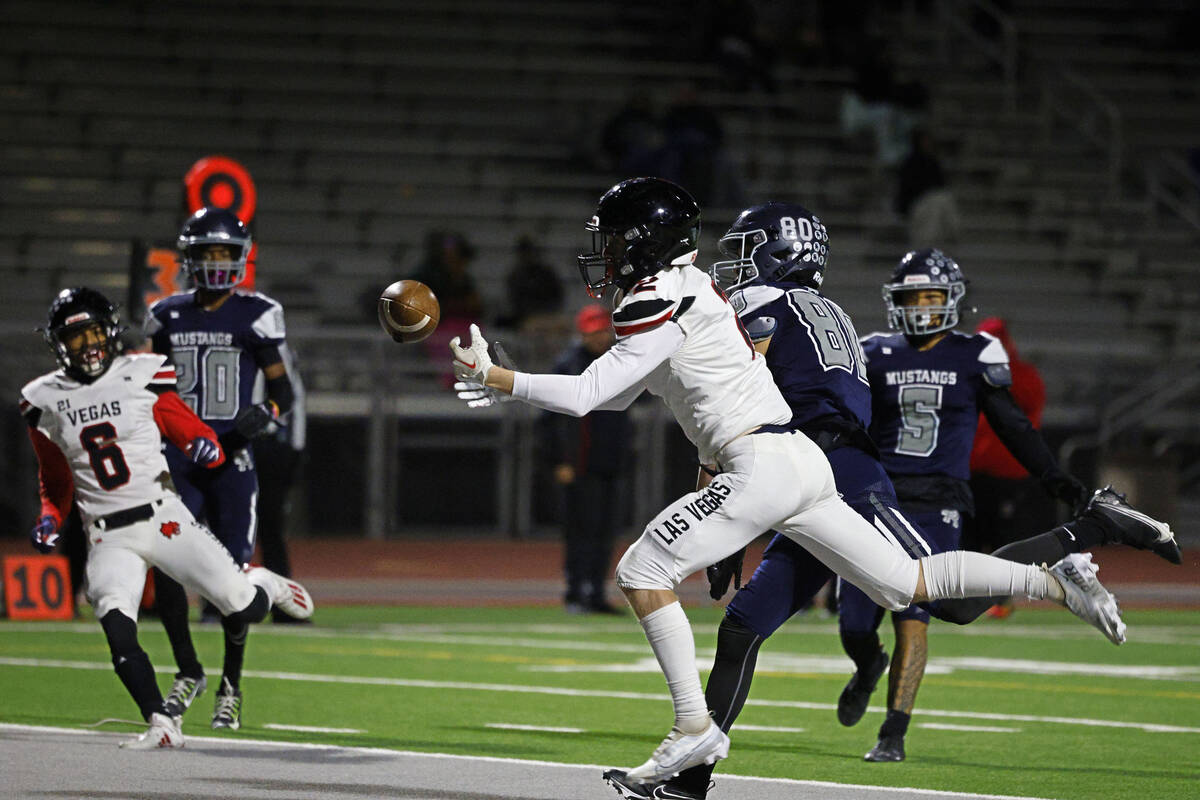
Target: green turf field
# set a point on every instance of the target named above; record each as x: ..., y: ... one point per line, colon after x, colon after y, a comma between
x: 1037, y: 705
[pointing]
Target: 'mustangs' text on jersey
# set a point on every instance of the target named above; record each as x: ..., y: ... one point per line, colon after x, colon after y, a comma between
x: 926, y: 404
x: 214, y: 351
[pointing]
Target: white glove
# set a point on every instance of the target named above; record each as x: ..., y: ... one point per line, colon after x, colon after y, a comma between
x: 471, y: 364
x: 476, y: 395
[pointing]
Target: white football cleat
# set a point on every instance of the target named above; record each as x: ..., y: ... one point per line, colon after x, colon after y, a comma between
x: 680, y: 751
x: 1086, y: 598
x: 291, y: 598
x: 163, y: 734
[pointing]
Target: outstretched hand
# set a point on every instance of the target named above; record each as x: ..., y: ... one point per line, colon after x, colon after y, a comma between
x: 471, y: 363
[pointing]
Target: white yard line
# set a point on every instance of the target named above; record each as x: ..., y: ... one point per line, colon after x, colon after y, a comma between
x: 505, y: 726
x: 606, y: 694
x: 944, y: 726
x: 278, y: 726
x: 749, y: 780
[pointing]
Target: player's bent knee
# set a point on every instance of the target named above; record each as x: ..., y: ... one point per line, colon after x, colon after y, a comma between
x: 637, y: 570
x: 256, y: 611
x: 121, y: 633
x: 735, y: 640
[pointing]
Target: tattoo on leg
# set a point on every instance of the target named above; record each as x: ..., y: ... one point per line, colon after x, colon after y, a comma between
x: 908, y: 664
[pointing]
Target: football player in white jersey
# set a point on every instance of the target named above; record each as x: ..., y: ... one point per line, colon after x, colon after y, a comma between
x: 679, y: 338
x: 97, y: 425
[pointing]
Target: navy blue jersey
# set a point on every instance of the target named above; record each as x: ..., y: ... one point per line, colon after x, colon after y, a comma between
x: 814, y: 356
x: 217, y: 354
x: 925, y: 405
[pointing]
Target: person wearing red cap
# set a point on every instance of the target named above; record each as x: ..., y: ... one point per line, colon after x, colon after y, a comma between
x: 587, y: 454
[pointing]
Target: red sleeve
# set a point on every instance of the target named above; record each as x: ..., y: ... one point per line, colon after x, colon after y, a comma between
x: 180, y: 424
x: 55, y: 485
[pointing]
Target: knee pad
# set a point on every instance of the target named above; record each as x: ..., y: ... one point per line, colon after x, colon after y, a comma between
x: 255, y: 612
x: 121, y: 633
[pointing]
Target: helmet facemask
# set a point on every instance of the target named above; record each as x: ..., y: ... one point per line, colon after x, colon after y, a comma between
x: 608, y: 254
x: 922, y: 320
x: 84, y: 348
x: 215, y: 273
x: 774, y: 242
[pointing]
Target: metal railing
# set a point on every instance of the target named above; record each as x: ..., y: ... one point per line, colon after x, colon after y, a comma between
x: 1171, y: 184
x: 957, y: 24
x: 1068, y: 96
x: 1134, y: 409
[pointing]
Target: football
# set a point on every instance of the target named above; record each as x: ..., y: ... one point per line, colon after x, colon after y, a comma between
x: 408, y: 311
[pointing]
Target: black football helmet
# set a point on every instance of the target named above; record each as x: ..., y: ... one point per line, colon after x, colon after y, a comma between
x: 773, y: 242
x: 641, y: 226
x: 214, y: 226
x: 924, y: 269
x: 72, y: 313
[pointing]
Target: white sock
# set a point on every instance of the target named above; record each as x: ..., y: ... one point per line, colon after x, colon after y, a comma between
x: 960, y: 573
x: 670, y: 636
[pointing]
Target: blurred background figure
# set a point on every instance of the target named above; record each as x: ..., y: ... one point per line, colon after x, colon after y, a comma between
x: 277, y: 458
x: 534, y: 297
x: 445, y: 269
x: 588, y: 455
x: 923, y: 197
x: 1010, y: 504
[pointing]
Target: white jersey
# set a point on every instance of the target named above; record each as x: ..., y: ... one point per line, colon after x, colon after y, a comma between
x: 106, y: 431
x: 678, y: 337
x: 715, y: 384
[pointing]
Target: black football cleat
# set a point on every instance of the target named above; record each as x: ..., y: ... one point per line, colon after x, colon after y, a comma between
x: 854, y: 699
x: 665, y: 791
x: 627, y: 788
x: 1131, y: 526
x: 888, y: 748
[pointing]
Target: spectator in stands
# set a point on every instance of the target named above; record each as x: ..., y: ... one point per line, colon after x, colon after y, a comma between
x: 1009, y: 503
x: 731, y: 36
x: 881, y: 106
x: 923, y: 197
x: 632, y: 137
x: 445, y: 270
x: 694, y: 154
x: 588, y: 455
x: 533, y: 287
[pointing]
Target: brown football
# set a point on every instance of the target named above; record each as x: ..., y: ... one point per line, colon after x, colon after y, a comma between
x: 408, y: 311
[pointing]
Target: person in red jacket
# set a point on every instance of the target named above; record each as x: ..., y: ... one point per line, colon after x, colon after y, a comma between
x: 1009, y: 502
x: 97, y: 425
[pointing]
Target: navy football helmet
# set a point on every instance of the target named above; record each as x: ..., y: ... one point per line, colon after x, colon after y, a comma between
x: 641, y: 226
x: 208, y: 227
x: 924, y: 269
x: 773, y: 242
x: 84, y: 332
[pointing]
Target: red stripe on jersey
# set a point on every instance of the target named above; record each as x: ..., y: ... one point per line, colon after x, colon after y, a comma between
x: 180, y: 425
x: 637, y: 327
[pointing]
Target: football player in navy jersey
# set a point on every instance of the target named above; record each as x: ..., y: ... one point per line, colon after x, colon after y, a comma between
x: 777, y: 255
x: 219, y: 340
x: 929, y: 384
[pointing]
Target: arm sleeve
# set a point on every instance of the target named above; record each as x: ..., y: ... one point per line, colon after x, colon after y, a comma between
x: 614, y: 378
x: 180, y: 424
x: 55, y: 485
x: 1015, y: 430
